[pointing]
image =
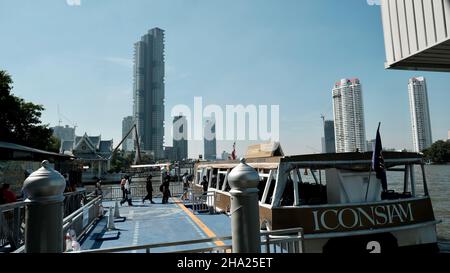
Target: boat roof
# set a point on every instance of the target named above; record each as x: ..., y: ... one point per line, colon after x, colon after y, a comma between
x: 12, y: 151
x: 351, y: 160
x: 323, y: 161
x: 150, y: 166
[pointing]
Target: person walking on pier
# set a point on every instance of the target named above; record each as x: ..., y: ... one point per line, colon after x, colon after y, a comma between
x: 122, y: 186
x: 149, y: 189
x: 127, y: 193
x: 165, y: 187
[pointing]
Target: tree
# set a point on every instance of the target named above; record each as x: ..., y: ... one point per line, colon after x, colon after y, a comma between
x: 439, y: 152
x: 20, y: 121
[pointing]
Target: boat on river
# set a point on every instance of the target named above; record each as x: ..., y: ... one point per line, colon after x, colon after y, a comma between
x: 336, y: 199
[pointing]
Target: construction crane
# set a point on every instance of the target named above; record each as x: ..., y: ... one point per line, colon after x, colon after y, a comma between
x: 137, y: 158
x: 60, y: 120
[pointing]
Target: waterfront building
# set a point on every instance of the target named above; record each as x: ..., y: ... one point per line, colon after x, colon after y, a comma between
x: 127, y: 124
x: 180, y: 138
x: 349, y: 124
x: 149, y: 92
x: 169, y: 153
x: 420, y: 114
x: 416, y: 34
x: 225, y: 155
x: 92, y: 152
x: 371, y: 145
x: 64, y: 133
x: 329, y: 145
x: 210, y: 140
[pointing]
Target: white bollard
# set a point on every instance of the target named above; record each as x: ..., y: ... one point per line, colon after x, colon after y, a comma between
x: 116, y: 210
x: 111, y: 220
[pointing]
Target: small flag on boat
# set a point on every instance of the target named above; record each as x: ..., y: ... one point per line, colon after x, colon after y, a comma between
x: 378, y: 160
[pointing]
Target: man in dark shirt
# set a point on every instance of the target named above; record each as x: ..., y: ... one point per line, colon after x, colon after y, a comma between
x: 205, y: 184
x: 149, y: 189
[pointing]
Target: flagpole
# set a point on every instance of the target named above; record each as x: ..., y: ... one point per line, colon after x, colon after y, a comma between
x: 368, y: 183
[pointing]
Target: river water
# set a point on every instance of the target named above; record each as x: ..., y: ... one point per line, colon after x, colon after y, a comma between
x: 438, y: 180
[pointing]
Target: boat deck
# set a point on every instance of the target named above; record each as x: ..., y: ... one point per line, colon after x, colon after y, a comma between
x: 158, y: 223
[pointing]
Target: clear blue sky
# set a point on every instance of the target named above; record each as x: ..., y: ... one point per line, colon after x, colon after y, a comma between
x: 286, y: 52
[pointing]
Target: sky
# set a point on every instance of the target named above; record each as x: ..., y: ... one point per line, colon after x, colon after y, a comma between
x: 261, y: 52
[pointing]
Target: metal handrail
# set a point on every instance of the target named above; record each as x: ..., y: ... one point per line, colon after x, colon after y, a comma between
x: 160, y: 245
x: 271, y: 238
x: 11, y: 206
x: 69, y: 218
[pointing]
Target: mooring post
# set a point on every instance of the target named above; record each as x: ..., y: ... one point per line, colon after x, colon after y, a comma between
x: 44, y: 211
x: 245, y: 228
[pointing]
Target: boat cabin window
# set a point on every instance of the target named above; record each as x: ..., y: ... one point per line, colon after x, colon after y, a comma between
x: 288, y: 195
x: 213, y: 178
x: 222, y: 175
x: 311, y: 191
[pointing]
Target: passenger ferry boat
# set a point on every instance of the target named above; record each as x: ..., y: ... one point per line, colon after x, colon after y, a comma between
x: 336, y: 199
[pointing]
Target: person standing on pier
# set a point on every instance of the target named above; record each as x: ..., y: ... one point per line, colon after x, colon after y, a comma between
x: 205, y: 185
x: 149, y: 188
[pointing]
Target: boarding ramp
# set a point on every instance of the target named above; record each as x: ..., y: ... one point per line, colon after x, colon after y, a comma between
x: 279, y: 241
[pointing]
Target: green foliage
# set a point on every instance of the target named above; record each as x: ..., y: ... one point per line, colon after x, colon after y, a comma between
x: 20, y: 121
x: 120, y: 161
x: 439, y: 152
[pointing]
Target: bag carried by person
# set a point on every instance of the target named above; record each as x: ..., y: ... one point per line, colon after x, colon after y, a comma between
x: 161, y: 188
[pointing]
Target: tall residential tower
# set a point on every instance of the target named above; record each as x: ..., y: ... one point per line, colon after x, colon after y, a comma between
x: 210, y: 140
x: 148, y: 106
x: 420, y: 114
x: 350, y: 132
x: 127, y: 124
x: 180, y: 138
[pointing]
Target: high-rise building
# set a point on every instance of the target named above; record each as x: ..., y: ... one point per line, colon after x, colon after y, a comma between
x: 149, y: 89
x: 350, y: 132
x: 371, y: 145
x: 448, y: 137
x: 180, y: 141
x: 420, y: 114
x: 329, y: 145
x: 64, y: 133
x: 127, y: 124
x: 210, y: 140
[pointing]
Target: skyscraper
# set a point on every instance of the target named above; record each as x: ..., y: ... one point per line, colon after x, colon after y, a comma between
x: 420, y: 114
x: 210, y: 140
x: 180, y: 142
x: 148, y: 106
x: 127, y: 144
x: 350, y: 132
x: 329, y: 137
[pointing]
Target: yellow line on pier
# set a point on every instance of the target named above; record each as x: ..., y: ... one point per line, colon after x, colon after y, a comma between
x: 199, y: 223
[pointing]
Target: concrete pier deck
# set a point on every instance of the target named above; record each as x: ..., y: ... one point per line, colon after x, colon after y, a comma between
x: 158, y: 223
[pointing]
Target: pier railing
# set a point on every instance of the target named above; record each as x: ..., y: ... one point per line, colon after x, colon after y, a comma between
x: 114, y: 193
x: 12, y: 218
x: 279, y: 241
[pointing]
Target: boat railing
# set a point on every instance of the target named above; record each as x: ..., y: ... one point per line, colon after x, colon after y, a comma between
x: 279, y: 241
x: 202, y: 201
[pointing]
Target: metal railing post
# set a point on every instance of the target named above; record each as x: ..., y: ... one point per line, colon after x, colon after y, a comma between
x: 245, y: 209
x: 44, y: 211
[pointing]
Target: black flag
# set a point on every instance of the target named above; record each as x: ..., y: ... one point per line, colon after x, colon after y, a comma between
x: 378, y: 161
